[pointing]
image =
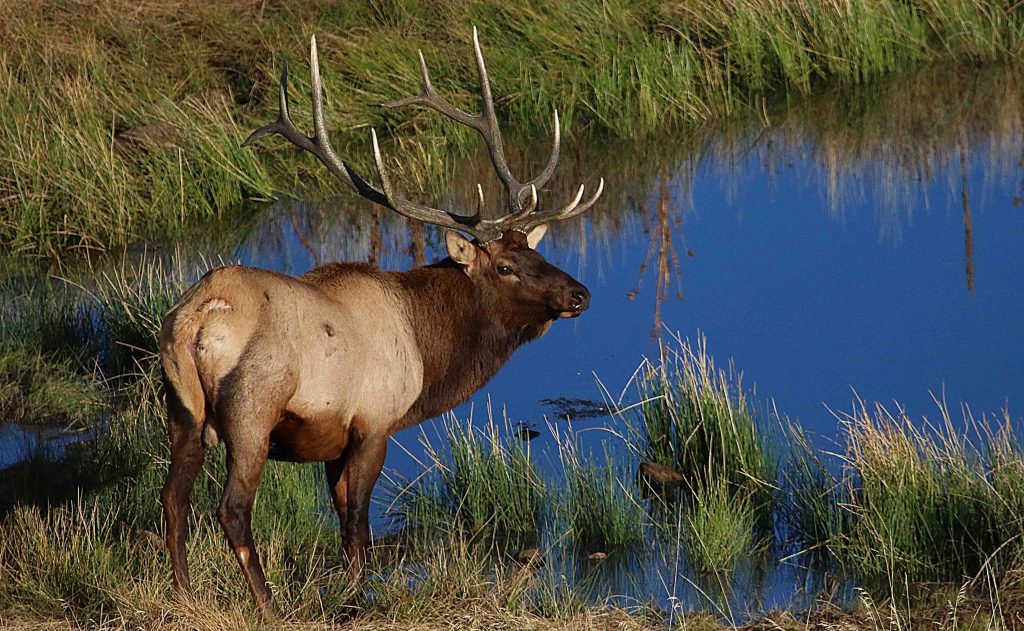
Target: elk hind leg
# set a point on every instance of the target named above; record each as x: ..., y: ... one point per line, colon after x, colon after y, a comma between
x: 187, y: 455
x: 361, y: 472
x: 246, y: 457
x: 337, y: 485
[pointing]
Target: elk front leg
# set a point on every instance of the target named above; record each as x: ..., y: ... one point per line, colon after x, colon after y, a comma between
x: 187, y: 455
x: 361, y: 473
x: 245, y: 464
x: 337, y: 485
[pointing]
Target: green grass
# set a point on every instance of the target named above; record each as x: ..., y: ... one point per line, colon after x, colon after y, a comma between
x: 925, y: 505
x: 718, y: 530
x: 601, y: 502
x: 813, y: 499
x: 481, y: 479
x: 696, y: 419
x: 74, y: 75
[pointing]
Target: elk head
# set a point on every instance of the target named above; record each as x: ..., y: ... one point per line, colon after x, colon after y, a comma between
x: 501, y: 258
x: 525, y: 290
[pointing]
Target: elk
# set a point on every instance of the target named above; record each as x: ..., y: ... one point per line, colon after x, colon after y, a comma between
x: 327, y: 366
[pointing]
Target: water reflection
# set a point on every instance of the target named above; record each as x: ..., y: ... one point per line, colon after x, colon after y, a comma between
x: 814, y: 236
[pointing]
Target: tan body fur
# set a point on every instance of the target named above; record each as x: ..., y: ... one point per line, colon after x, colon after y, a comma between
x: 317, y: 354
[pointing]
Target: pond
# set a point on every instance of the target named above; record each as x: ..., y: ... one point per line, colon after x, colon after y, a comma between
x: 854, y: 246
x: 851, y: 246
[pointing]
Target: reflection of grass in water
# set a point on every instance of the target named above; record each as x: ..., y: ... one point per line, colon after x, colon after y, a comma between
x: 68, y: 182
x: 110, y: 326
x: 44, y: 390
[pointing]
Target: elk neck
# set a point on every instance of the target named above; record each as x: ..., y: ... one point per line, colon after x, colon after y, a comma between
x: 463, y: 336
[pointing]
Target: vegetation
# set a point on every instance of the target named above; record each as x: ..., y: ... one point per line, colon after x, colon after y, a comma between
x: 907, y: 507
x: 697, y: 420
x: 481, y: 479
x: 127, y: 122
x: 35, y: 390
x: 144, y: 105
x: 600, y: 504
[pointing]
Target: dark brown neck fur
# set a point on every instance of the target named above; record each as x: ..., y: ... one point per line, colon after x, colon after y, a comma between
x: 461, y: 340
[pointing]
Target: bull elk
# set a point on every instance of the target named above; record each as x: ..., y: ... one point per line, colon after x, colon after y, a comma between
x: 325, y: 367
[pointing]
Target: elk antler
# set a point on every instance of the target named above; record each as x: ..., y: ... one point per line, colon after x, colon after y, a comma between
x: 520, y: 217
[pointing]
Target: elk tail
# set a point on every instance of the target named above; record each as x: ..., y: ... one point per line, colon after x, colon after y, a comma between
x: 186, y: 399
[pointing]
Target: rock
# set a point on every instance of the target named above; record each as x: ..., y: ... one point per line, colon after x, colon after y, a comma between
x: 596, y: 556
x: 149, y: 135
x: 530, y: 556
x: 660, y: 477
x: 148, y: 539
x: 526, y: 433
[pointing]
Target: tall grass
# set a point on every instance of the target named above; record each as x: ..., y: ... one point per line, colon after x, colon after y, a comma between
x: 925, y: 505
x: 602, y: 505
x: 814, y: 501
x: 719, y: 530
x: 696, y: 419
x: 75, y: 75
x: 480, y: 479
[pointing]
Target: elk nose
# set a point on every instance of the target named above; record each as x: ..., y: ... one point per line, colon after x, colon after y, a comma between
x: 579, y: 298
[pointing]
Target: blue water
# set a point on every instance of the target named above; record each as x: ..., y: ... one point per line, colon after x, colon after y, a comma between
x: 815, y: 305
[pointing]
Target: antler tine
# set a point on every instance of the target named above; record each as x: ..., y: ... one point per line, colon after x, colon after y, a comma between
x: 486, y: 123
x: 319, y: 145
x: 429, y: 97
x: 549, y: 168
x: 571, y: 209
x: 492, y: 133
x: 319, y: 125
x: 522, y: 216
x: 479, y: 199
x: 412, y: 210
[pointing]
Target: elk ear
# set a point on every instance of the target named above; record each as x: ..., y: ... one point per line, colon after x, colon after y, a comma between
x: 536, y: 235
x: 460, y: 248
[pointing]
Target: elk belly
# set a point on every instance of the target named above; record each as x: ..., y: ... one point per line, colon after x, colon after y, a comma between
x: 299, y: 439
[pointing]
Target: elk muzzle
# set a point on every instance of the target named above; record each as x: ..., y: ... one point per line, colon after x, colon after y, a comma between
x: 576, y: 300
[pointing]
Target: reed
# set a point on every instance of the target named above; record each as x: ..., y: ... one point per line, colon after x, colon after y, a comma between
x: 602, y: 505
x: 925, y: 506
x: 696, y: 419
x: 813, y: 499
x: 718, y: 532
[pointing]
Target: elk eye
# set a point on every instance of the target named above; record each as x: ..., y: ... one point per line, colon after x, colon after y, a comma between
x: 504, y: 270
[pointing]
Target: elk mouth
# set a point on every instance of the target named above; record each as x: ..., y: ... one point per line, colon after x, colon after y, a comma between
x: 579, y: 301
x: 574, y: 313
